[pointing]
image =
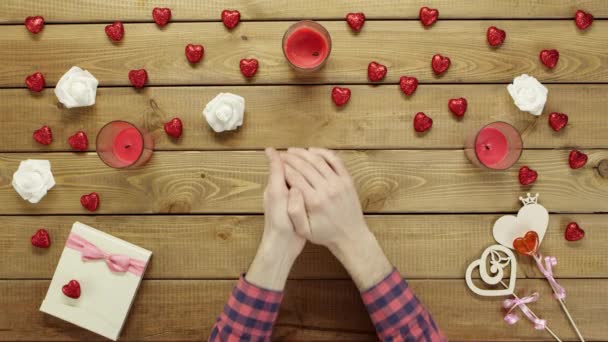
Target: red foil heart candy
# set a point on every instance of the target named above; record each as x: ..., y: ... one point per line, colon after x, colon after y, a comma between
x: 41, y: 239
x: 440, y: 64
x: 376, y: 71
x: 574, y: 232
x: 194, y: 53
x: 495, y: 36
x: 458, y: 106
x: 408, y: 84
x: 583, y: 19
x: 340, y: 96
x: 557, y: 121
x: 231, y: 18
x: 138, y: 78
x: 71, y: 289
x: 174, y: 127
x: 428, y: 16
x: 43, y: 135
x: 34, y: 24
x: 527, y: 176
x: 79, y: 141
x: 161, y: 16
x: 35, y: 82
x: 577, y: 159
x: 422, y: 123
x: 90, y: 202
x: 527, y: 245
x: 549, y: 58
x: 355, y: 21
x: 249, y: 67
x: 115, y: 31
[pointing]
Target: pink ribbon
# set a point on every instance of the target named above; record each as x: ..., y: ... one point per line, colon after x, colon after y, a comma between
x: 547, y: 271
x: 116, y: 262
x: 511, y: 304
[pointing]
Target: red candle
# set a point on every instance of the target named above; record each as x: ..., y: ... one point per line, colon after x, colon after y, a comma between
x: 121, y: 144
x: 128, y: 145
x: 306, y: 45
x: 496, y: 146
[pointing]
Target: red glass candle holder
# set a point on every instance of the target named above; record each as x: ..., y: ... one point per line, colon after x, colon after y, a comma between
x: 495, y: 146
x: 121, y: 144
x: 306, y: 45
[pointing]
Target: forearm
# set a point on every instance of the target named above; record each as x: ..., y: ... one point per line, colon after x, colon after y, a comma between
x: 272, y: 263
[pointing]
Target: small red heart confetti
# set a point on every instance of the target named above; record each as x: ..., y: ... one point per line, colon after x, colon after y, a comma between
x: 248, y: 67
x: 194, y: 53
x: 557, y: 121
x: 174, y: 127
x: 355, y: 20
x: 528, y: 244
x: 577, y: 159
x: 115, y: 31
x: 35, y: 82
x: 458, y: 106
x: 428, y: 16
x: 138, y: 77
x: 71, y: 289
x: 408, y: 84
x: 422, y: 123
x: 41, y: 239
x: 495, y: 36
x: 549, y: 58
x: 90, y: 201
x: 527, y: 176
x: 161, y: 15
x: 340, y: 96
x: 440, y: 64
x: 34, y: 24
x: 574, y: 232
x: 583, y: 19
x: 43, y: 135
x: 79, y: 141
x: 231, y: 18
x: 376, y: 71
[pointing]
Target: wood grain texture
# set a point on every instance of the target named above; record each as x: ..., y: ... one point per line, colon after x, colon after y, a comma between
x: 377, y: 117
x: 212, y: 247
x: 404, y: 47
x: 388, y: 181
x: 186, y: 310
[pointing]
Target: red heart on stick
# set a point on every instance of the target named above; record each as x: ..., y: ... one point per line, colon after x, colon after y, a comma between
x: 428, y: 16
x: 408, y: 84
x: 355, y: 21
x: 340, y: 96
x: 161, y: 15
x: 231, y: 18
x: 34, y: 24
x: 528, y: 244
x: 90, y: 201
x: 35, y: 82
x: 41, y: 239
x: 115, y: 31
x: 71, y: 289
x: 574, y: 232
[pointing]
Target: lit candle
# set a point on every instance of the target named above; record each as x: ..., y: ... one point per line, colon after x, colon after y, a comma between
x: 306, y: 45
x: 496, y: 146
x: 120, y: 144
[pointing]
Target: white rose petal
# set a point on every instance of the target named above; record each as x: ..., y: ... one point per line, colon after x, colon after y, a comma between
x: 76, y: 88
x: 225, y: 112
x: 33, y: 179
x: 528, y: 94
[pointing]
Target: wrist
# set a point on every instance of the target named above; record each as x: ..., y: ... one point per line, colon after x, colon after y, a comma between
x: 271, y: 264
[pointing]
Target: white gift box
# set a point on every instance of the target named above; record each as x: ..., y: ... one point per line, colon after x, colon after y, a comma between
x: 106, y: 294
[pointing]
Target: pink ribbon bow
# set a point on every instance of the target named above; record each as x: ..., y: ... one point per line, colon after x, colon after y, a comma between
x: 547, y: 271
x: 511, y: 304
x: 116, y: 262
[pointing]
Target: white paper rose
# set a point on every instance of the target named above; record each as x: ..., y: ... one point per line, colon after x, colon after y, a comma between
x: 33, y: 179
x: 528, y: 94
x: 225, y: 112
x: 76, y: 88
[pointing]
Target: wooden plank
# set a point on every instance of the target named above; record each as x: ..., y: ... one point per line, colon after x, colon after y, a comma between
x: 389, y: 181
x: 14, y: 11
x: 282, y: 116
x: 186, y: 310
x: 405, y: 47
x: 422, y: 246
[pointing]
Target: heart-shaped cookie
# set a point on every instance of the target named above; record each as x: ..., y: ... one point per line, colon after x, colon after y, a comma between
x: 499, y: 259
x: 531, y: 217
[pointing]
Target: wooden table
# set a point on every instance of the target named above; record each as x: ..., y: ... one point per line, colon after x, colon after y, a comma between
x: 198, y: 206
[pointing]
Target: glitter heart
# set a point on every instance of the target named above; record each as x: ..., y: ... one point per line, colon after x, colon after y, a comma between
x: 583, y: 19
x: 174, y: 127
x: 34, y: 24
x: 574, y: 232
x: 115, y: 31
x: 248, y: 67
x: 408, y: 84
x: 528, y: 244
x: 161, y: 15
x: 458, y: 106
x: 79, y: 141
x: 90, y: 201
x: 355, y: 21
x: 41, y: 239
x: 231, y: 18
x: 527, y: 176
x: 71, y: 289
x: 422, y: 123
x: 138, y: 78
x: 440, y: 64
x: 428, y: 16
x: 43, y: 135
x: 35, y: 82
x: 557, y: 121
x: 340, y: 96
x: 577, y: 159
x: 376, y: 71
x: 194, y: 53
x: 495, y: 36
x: 549, y: 58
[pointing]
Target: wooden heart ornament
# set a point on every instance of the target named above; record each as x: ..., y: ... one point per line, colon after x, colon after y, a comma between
x: 498, y: 258
x: 531, y: 217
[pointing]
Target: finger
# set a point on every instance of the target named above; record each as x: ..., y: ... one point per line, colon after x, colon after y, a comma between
x: 310, y: 173
x: 332, y: 159
x: 315, y: 160
x: 297, y: 213
x: 276, y: 178
x: 296, y: 180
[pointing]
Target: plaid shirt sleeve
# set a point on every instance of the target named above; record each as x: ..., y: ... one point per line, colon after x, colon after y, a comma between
x: 249, y: 314
x: 397, y: 314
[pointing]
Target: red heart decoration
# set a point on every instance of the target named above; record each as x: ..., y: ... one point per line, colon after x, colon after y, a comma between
x: 340, y: 96
x: 440, y: 64
x: 41, y: 239
x: 71, y: 289
x: 557, y: 121
x: 248, y: 67
x: 528, y: 244
x: 174, y: 127
x: 408, y: 84
x: 428, y: 16
x: 583, y: 19
x: 574, y: 232
x: 422, y: 123
x: 79, y: 141
x: 376, y: 71
x: 495, y: 36
x: 577, y: 159
x: 115, y: 31
x: 138, y: 77
x: 355, y: 20
x: 194, y: 53
x: 549, y: 58
x: 34, y: 24
x: 35, y: 82
x: 231, y: 18
x: 161, y: 15
x: 90, y: 201
x: 43, y: 135
x: 527, y: 176
x: 458, y: 106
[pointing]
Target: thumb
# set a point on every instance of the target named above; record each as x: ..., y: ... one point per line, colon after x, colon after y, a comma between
x: 297, y: 213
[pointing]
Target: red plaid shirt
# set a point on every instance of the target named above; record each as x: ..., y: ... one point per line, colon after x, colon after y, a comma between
x: 395, y: 311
